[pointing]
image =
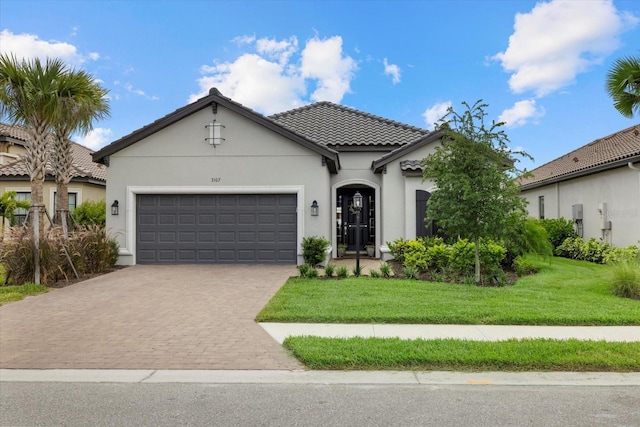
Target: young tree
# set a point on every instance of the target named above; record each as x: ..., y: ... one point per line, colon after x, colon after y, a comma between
x: 473, y: 172
x: 81, y: 101
x: 623, y: 85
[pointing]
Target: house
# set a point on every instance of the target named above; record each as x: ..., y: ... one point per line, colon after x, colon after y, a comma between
x: 215, y: 182
x: 597, y: 186
x: 88, y: 180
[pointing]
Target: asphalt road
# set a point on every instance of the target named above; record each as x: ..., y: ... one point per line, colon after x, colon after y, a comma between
x: 202, y: 404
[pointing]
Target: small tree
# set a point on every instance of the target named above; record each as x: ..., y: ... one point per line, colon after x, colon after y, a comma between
x: 474, y: 172
x: 8, y: 206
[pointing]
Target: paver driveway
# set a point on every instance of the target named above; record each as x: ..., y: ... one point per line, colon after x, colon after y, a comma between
x: 149, y: 317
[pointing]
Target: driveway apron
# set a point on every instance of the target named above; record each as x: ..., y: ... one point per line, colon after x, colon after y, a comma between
x: 149, y: 317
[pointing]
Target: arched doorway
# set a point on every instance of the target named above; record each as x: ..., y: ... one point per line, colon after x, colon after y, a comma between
x: 346, y: 217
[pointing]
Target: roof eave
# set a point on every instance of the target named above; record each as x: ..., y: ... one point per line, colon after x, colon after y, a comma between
x: 217, y: 98
x: 379, y: 164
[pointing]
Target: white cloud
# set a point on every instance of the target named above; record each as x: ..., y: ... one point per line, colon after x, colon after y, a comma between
x: 521, y: 113
x: 435, y: 113
x: 275, y: 78
x: 392, y: 70
x: 129, y: 87
x: 29, y: 46
x: 95, y: 139
x: 558, y: 40
x: 322, y: 61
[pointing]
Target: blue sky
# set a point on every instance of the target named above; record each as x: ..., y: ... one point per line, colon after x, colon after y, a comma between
x: 540, y: 65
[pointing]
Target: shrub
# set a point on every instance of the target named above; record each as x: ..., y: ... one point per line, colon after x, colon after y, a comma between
x: 625, y: 278
x: 314, y: 249
x: 427, y: 242
x: 89, y: 251
x: 594, y: 251
x: 342, y: 272
x: 526, y: 235
x: 18, y: 255
x: 303, y: 270
x: 463, y: 257
x: 523, y: 266
x: 570, y: 248
x: 374, y: 273
x: 411, y: 272
x: 491, y: 256
x: 558, y: 230
x: 92, y: 250
x: 385, y: 270
x: 312, y: 273
x: 415, y: 255
x: 90, y: 213
x: 439, y: 256
x: 397, y: 249
x: 620, y: 254
x: 330, y: 270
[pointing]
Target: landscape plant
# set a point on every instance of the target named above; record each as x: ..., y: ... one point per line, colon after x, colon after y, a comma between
x: 329, y: 270
x: 625, y: 278
x: 558, y: 230
x: 90, y: 213
x: 623, y: 85
x: 474, y: 171
x: 314, y: 250
x: 8, y: 207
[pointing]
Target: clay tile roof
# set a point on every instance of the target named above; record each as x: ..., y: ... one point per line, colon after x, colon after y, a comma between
x: 610, y: 150
x: 334, y: 125
x: 83, y: 165
x: 411, y: 165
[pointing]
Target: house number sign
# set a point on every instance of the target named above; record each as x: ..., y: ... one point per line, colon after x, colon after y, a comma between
x: 216, y: 179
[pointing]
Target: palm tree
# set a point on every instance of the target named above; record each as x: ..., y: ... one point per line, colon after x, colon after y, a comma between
x: 8, y: 206
x: 81, y: 100
x: 29, y: 96
x: 623, y: 85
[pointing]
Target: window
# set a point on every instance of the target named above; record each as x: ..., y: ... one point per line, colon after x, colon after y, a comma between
x: 73, y: 202
x: 541, y: 207
x: 20, y: 215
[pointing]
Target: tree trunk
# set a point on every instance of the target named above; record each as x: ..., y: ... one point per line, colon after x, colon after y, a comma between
x: 476, y: 242
x: 62, y: 206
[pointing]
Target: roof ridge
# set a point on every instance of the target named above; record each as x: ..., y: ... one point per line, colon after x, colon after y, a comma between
x: 350, y: 110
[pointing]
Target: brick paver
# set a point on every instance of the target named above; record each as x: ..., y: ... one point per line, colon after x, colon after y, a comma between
x: 149, y: 317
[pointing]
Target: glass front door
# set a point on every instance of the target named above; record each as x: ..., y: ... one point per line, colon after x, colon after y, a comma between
x: 347, y: 226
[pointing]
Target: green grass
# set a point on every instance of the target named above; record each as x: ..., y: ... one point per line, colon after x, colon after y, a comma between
x: 449, y: 354
x: 563, y: 292
x: 16, y: 293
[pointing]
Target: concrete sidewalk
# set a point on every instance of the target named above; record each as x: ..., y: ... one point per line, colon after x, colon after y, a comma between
x: 279, y: 331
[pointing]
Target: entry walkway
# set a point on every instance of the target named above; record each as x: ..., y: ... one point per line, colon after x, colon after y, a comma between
x: 279, y: 331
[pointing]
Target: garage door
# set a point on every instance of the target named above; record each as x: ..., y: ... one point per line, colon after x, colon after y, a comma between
x: 216, y: 228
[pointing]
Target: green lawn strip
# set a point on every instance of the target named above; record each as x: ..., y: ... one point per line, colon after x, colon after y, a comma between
x: 461, y: 355
x: 563, y: 292
x: 16, y: 293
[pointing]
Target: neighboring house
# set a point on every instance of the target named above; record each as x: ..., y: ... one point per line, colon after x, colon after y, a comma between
x: 215, y: 182
x: 597, y: 186
x: 88, y: 178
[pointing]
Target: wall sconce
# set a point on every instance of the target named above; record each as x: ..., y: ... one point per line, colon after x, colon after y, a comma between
x: 114, y: 208
x: 215, y: 133
x: 314, y: 208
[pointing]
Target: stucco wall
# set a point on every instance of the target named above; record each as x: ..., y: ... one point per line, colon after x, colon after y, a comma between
x: 399, y: 196
x: 251, y: 159
x: 619, y: 189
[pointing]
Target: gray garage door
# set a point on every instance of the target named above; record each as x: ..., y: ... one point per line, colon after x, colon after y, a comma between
x: 216, y: 228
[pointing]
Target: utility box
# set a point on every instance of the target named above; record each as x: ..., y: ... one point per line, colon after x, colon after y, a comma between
x: 577, y: 211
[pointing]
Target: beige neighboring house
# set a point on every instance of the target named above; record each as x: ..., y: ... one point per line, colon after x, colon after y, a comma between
x: 597, y: 186
x: 88, y: 178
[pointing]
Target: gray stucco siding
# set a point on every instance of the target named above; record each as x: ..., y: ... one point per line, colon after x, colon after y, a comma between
x: 618, y: 188
x: 251, y: 159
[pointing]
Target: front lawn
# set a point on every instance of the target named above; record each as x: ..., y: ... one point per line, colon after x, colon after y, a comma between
x: 563, y: 292
x: 16, y: 293
x: 449, y: 354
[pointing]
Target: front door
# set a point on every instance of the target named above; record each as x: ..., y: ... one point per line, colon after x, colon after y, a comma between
x: 347, y: 226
